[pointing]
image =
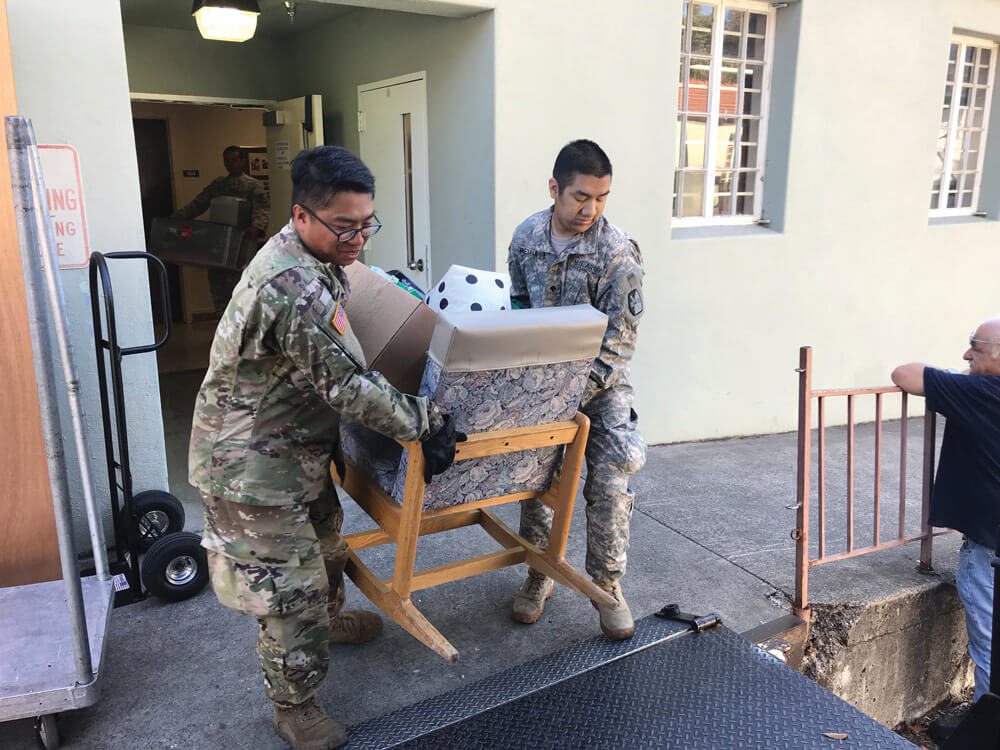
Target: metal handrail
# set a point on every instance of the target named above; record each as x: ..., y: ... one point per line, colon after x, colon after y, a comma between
x: 803, y: 506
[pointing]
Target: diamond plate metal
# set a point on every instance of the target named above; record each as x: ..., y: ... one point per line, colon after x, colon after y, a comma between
x: 669, y: 689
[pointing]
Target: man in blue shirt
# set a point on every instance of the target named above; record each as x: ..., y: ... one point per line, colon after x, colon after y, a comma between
x: 966, y: 495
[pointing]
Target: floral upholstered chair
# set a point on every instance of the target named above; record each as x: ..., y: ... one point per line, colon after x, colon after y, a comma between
x: 513, y: 381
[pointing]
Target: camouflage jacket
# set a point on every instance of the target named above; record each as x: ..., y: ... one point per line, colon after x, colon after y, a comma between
x: 601, y: 267
x: 243, y: 186
x: 266, y: 416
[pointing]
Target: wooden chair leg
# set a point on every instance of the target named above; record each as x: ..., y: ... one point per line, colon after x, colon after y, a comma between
x: 401, y: 611
x: 555, y: 568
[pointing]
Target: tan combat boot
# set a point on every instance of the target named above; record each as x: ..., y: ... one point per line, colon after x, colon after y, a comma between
x: 355, y: 626
x: 617, y: 624
x: 307, y: 726
x: 530, y: 600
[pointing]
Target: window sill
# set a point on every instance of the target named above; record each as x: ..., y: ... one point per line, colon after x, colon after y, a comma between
x: 941, y: 221
x: 721, y: 232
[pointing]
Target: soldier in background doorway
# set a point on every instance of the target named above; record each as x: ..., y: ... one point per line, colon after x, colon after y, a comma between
x: 569, y: 254
x: 238, y: 184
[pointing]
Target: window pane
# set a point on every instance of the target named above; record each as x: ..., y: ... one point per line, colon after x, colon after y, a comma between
x: 694, y: 189
x: 677, y: 189
x: 984, y: 74
x: 967, y: 199
x: 694, y: 144
x: 751, y: 103
x: 758, y: 23
x: 972, y: 143
x: 731, y: 45
x: 682, y: 105
x: 678, y: 140
x: 985, y: 56
x: 966, y: 96
x: 721, y: 202
x: 968, y: 71
x: 755, y: 48
x: 748, y: 155
x: 744, y: 193
x: 753, y: 77
x: 685, y: 23
x: 970, y: 54
x: 697, y: 94
x: 734, y: 20
x: 701, y: 42
x: 725, y: 143
x: 729, y: 89
x: 703, y: 16
x: 953, y: 53
x: 980, y: 98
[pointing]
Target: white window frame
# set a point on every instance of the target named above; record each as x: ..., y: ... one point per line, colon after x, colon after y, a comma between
x: 714, y: 95
x: 963, y: 42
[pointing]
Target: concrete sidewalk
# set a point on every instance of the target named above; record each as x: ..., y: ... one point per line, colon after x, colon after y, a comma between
x: 710, y: 531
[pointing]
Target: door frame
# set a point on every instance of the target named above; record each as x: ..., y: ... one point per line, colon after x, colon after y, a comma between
x: 420, y: 75
x: 138, y: 96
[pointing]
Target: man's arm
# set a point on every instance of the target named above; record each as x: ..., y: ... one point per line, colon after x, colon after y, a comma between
x: 910, y: 377
x: 261, y: 209
x: 200, y: 204
x: 519, y: 297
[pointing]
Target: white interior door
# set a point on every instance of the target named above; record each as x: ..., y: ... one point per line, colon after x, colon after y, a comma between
x: 392, y: 122
x: 295, y: 124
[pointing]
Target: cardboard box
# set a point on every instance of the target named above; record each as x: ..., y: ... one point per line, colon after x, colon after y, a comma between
x: 393, y: 327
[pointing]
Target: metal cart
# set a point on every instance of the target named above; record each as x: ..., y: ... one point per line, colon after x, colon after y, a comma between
x: 42, y: 624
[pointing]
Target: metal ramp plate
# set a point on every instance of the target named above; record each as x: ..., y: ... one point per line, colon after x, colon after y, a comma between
x: 667, y: 687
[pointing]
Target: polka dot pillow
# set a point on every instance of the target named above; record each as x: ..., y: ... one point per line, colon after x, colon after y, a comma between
x: 469, y: 289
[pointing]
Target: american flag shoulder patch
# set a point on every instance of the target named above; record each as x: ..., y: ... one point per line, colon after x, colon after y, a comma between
x: 339, y: 320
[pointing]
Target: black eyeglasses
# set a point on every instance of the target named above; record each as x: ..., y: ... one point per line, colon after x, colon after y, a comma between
x: 347, y: 235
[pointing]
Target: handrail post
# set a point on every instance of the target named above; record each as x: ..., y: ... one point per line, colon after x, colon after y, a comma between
x: 800, y: 606
x: 927, y: 535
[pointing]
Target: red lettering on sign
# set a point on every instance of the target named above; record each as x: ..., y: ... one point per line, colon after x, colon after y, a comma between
x: 186, y: 233
x: 59, y: 249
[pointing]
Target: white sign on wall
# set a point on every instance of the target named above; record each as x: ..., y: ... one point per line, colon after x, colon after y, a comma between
x: 64, y: 193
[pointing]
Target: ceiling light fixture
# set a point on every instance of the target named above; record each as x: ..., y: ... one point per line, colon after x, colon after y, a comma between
x: 226, y: 20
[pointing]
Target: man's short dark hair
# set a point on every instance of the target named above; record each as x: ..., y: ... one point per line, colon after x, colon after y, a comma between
x: 320, y: 173
x: 230, y: 149
x: 580, y: 157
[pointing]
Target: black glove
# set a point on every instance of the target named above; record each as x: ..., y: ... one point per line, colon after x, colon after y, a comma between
x: 439, y: 448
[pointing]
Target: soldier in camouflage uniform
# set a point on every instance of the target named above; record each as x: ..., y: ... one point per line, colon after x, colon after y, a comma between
x: 570, y: 254
x: 237, y: 184
x: 284, y: 364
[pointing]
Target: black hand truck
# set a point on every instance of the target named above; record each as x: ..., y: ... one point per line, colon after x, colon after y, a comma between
x: 174, y: 565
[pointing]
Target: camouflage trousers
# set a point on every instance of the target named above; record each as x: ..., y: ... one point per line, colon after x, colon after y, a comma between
x: 283, y: 565
x: 615, y: 451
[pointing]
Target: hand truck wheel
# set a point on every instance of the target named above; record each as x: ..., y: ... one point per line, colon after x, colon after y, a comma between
x: 175, y: 567
x: 157, y: 513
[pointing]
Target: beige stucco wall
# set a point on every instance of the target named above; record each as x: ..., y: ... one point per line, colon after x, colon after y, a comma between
x: 69, y: 70
x: 856, y: 270
x: 457, y: 56
x: 179, y: 61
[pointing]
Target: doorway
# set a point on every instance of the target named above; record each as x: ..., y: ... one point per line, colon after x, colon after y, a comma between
x: 156, y: 190
x: 392, y: 125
